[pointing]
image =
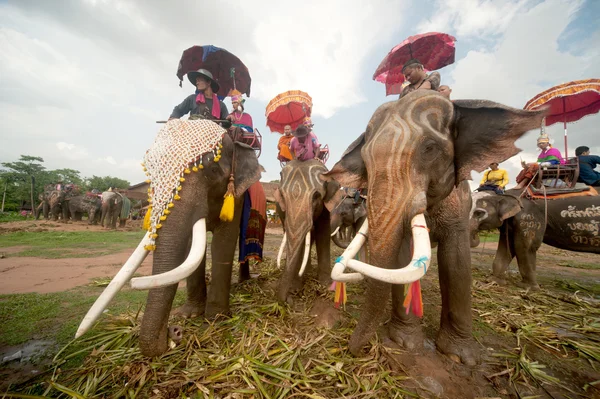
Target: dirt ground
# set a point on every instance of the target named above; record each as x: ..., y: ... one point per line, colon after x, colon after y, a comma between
x: 438, y: 373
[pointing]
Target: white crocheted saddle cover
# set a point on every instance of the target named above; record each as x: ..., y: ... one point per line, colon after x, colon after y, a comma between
x: 178, y: 147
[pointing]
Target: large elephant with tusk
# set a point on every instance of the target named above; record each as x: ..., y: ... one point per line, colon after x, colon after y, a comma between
x: 304, y: 202
x: 415, y: 158
x: 191, y: 207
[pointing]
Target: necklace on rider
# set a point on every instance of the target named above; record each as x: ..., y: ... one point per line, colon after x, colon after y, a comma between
x: 236, y: 117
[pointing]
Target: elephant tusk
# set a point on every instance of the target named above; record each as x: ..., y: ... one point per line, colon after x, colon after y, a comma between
x: 189, y: 265
x: 281, y: 250
x: 335, y: 231
x: 306, y: 254
x: 337, y: 273
x: 122, y: 277
x: 414, y: 271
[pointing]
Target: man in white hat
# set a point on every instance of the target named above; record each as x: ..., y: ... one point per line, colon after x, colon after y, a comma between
x: 204, y: 104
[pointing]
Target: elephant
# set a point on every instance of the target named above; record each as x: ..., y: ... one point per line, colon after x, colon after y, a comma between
x: 125, y: 210
x: 112, y: 204
x: 415, y: 158
x: 303, y: 204
x: 90, y: 204
x: 183, y: 234
x: 58, y: 201
x: 348, y: 215
x: 565, y: 223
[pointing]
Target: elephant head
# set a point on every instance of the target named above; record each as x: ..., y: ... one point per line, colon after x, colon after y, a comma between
x: 196, y: 209
x: 347, y: 215
x: 414, y: 153
x: 304, y: 202
x: 489, y: 211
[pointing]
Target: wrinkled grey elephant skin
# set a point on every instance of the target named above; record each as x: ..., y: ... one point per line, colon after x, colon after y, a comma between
x: 303, y: 204
x: 85, y: 205
x: 112, y: 203
x: 568, y: 223
x: 201, y: 197
x: 350, y: 216
x: 415, y: 158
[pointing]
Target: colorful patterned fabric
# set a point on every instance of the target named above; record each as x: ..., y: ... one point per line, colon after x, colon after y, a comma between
x: 288, y: 108
x: 216, y: 105
x: 551, y: 155
x: 253, y: 224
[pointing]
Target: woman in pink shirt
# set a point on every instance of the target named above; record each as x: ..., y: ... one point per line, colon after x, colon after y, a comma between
x: 304, y: 145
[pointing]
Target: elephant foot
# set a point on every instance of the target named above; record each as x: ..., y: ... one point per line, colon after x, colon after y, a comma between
x: 528, y: 286
x: 190, y: 310
x: 458, y: 349
x: 498, y: 280
x: 176, y: 333
x: 244, y: 274
x: 215, y: 312
x: 407, y: 335
x: 152, y: 345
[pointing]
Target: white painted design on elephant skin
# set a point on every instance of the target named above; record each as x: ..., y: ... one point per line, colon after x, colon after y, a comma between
x: 593, y: 241
x: 592, y: 226
x: 529, y: 225
x: 572, y: 212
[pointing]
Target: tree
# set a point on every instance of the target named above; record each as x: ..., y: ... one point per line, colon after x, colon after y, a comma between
x: 27, y: 169
x: 103, y: 183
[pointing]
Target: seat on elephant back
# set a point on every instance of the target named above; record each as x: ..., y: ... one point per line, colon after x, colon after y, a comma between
x: 578, y: 190
x: 324, y: 154
x: 253, y: 139
x: 559, y: 177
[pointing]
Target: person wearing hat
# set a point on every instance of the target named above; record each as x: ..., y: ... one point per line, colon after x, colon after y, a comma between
x: 305, y: 145
x: 204, y: 104
x: 548, y: 157
x: 494, y: 179
x: 415, y: 75
x: 238, y: 117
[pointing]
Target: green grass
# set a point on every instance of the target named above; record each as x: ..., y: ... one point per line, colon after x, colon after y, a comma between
x: 59, y: 244
x: 56, y: 316
x: 488, y: 236
x: 12, y: 217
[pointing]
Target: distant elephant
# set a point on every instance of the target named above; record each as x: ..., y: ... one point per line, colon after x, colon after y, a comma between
x: 44, y: 205
x: 125, y: 210
x: 415, y: 158
x: 58, y: 201
x: 570, y: 223
x: 112, y: 204
x: 303, y: 202
x: 348, y: 215
x: 86, y: 204
x: 181, y: 242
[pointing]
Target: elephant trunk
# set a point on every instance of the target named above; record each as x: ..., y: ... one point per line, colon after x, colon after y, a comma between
x: 338, y: 242
x: 297, y: 256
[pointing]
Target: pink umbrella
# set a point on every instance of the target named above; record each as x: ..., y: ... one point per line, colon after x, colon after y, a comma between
x: 569, y: 102
x: 434, y: 50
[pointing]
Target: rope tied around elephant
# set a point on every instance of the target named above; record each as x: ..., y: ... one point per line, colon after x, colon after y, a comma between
x: 178, y: 149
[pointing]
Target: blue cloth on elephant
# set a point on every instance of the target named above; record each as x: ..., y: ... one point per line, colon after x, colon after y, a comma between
x: 253, y: 224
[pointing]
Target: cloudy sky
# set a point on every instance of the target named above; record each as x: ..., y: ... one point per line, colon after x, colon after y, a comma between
x: 82, y: 82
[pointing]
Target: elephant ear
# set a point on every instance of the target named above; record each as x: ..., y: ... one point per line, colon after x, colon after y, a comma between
x: 279, y: 199
x: 333, y: 195
x: 350, y: 170
x: 485, y: 132
x: 508, y: 206
x: 247, y: 169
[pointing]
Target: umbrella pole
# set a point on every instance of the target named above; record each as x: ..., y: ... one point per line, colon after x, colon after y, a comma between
x: 565, y: 126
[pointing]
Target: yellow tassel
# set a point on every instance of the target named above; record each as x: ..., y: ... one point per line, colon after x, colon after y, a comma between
x: 146, y: 224
x: 195, y: 169
x: 179, y: 188
x: 155, y: 236
x: 148, y: 181
x: 182, y: 179
x: 167, y: 211
x: 171, y: 205
x: 150, y: 247
x: 158, y: 226
x: 163, y: 218
x: 228, y: 203
x: 186, y: 171
x: 176, y: 197
x: 201, y: 166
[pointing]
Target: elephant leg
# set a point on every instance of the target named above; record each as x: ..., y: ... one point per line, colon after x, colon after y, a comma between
x: 504, y: 255
x: 526, y: 259
x: 196, y: 293
x: 404, y: 329
x: 37, y: 210
x: 224, y: 241
x: 244, y: 271
x: 46, y: 210
x: 323, y: 244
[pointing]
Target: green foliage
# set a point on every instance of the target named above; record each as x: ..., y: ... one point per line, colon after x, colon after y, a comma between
x: 103, y: 183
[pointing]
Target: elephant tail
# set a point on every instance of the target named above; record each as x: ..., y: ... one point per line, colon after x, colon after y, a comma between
x: 126, y: 208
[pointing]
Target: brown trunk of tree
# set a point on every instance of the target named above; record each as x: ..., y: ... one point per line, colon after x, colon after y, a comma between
x: 33, y: 210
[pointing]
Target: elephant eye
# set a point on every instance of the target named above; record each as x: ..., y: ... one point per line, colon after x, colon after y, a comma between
x: 430, y: 150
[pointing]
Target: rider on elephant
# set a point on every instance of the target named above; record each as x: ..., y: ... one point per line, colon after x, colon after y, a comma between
x: 238, y: 117
x: 305, y: 145
x: 548, y: 157
x: 284, y: 145
x: 494, y: 179
x: 204, y: 104
x: 587, y: 163
x: 415, y: 74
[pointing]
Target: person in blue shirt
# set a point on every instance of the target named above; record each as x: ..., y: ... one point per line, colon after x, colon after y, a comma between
x: 587, y: 164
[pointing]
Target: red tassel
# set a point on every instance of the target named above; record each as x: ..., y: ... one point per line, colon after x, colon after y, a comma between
x: 413, y: 300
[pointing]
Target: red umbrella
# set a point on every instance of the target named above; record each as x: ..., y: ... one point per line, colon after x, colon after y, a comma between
x: 288, y: 108
x: 227, y: 69
x: 569, y: 102
x: 434, y: 50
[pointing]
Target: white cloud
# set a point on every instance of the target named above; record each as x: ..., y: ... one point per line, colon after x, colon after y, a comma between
x: 473, y: 17
x: 72, y: 152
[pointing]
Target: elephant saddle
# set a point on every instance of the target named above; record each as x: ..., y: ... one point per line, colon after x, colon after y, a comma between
x: 551, y: 194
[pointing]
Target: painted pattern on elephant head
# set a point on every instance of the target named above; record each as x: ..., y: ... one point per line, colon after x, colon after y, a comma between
x: 299, y: 183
